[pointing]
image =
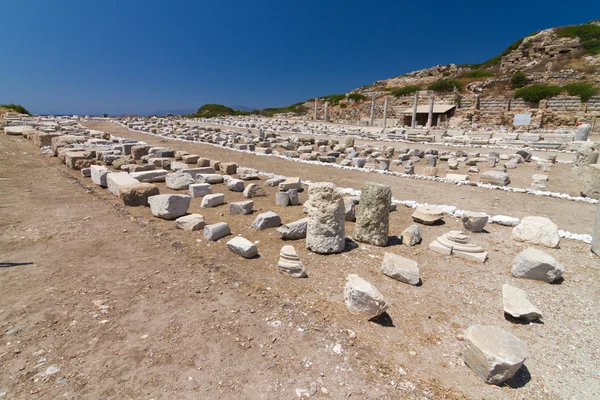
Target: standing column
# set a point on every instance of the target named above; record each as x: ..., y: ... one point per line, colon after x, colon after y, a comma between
x: 430, y: 116
x: 385, y: 110
x: 372, y: 111
x: 414, y: 117
x: 316, y: 107
x: 326, y: 111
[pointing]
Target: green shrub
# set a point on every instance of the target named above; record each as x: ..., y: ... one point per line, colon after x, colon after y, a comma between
x: 16, y: 108
x: 343, y: 105
x: 588, y: 34
x: 519, y: 79
x: 357, y: 97
x: 477, y: 74
x: 535, y: 93
x: 404, y: 91
x: 581, y: 89
x: 334, y: 99
x: 445, y: 85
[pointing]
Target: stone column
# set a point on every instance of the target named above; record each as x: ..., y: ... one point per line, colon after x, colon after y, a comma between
x: 316, y: 108
x: 372, y: 221
x: 596, y: 234
x: 583, y: 132
x: 414, y: 116
x: 385, y: 110
x: 325, y: 231
x: 430, y: 116
x: 326, y: 111
x: 372, y: 111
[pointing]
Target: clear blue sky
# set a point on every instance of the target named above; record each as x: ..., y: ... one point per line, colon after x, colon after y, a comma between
x: 126, y: 56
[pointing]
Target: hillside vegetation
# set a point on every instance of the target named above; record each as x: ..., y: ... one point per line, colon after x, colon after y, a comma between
x: 16, y: 108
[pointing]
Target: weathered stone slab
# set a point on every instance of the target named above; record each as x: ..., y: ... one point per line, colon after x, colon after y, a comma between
x: 363, y: 298
x: 216, y: 231
x: 192, y: 222
x: 517, y: 305
x: 98, y: 174
x: 294, y: 230
x: 400, y: 268
x: 169, y: 206
x: 138, y: 194
x: 492, y: 353
x: 242, y: 247
x: 241, y: 207
x: 199, y: 189
x: 116, y: 180
x: 157, y: 175
x: 266, y: 220
x: 212, y: 200
x: 534, y: 264
x: 537, y: 230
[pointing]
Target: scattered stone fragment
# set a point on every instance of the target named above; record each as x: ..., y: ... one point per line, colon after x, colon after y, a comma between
x: 400, y: 268
x: 266, y: 220
x: 294, y: 230
x: 289, y: 263
x: 236, y: 185
x: 505, y: 220
x: 199, y: 189
x: 192, y: 222
x: 156, y: 175
x: 137, y: 194
x: 282, y: 199
x: 242, y: 247
x: 274, y: 182
x: 117, y: 180
x: 212, y: 200
x: 254, y: 190
x: 475, y: 221
x: 492, y: 353
x: 290, y: 183
x: 326, y: 227
x: 169, y: 206
x: 179, y: 180
x: 241, y: 207
x: 518, y: 305
x: 362, y: 297
x: 497, y: 178
x: 411, y: 235
x: 209, y: 178
x: 534, y: 264
x: 229, y: 168
x: 216, y: 231
x: 537, y: 230
x: 428, y: 215
x: 372, y: 222
x: 98, y: 174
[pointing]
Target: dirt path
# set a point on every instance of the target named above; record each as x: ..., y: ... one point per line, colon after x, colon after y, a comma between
x: 568, y: 215
x: 127, y: 306
x: 123, y: 309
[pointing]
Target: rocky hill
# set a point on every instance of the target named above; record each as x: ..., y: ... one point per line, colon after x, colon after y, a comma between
x: 560, y: 63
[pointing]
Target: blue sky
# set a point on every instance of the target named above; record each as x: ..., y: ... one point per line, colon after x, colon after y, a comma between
x: 126, y: 56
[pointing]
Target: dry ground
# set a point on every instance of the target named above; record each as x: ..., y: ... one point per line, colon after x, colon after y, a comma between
x: 129, y: 307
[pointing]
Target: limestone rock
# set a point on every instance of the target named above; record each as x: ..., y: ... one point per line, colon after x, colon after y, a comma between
x: 117, y: 180
x: 326, y: 225
x: 156, y: 175
x: 534, y: 264
x: 290, y: 183
x: 591, y: 181
x: 229, y: 168
x: 169, y: 206
x: 428, y: 215
x: 192, y: 222
x: 179, y: 180
x: 492, y: 353
x: 372, y: 222
x: 235, y: 185
x: 475, y: 221
x: 209, y: 178
x: 400, y: 268
x: 137, y: 194
x: 537, y: 230
x: 362, y: 297
x: 274, y: 182
x: 282, y: 199
x: 266, y: 220
x: 254, y: 190
x: 241, y: 207
x: 216, y: 231
x: 289, y: 263
x: 242, y: 247
x: 98, y: 174
x: 517, y: 305
x: 411, y: 235
x: 294, y: 230
x: 458, y: 244
x: 505, y: 220
x: 199, y: 189
x: 497, y: 178
x: 212, y: 200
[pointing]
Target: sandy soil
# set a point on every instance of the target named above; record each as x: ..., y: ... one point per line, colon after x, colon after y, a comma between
x: 129, y: 307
